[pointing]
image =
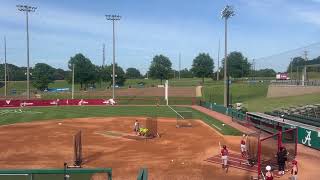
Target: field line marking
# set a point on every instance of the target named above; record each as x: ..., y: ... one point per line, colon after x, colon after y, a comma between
x: 216, y: 127
x: 175, y: 112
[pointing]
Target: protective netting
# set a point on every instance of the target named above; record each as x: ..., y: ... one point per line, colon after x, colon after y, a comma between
x: 152, y: 126
x: 77, y: 149
x: 252, y: 147
x: 289, y: 141
x: 184, y: 118
x: 268, y: 151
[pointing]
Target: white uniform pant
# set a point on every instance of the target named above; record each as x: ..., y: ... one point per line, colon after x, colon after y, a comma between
x: 224, y: 160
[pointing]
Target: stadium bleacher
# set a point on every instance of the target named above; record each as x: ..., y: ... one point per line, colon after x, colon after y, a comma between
x: 308, y: 114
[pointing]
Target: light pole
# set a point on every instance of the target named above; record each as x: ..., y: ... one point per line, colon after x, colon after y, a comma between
x: 72, y: 90
x: 218, y: 61
x: 27, y: 9
x: 226, y: 13
x: 5, y: 67
x: 113, y: 18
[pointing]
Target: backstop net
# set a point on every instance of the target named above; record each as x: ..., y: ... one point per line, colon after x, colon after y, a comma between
x: 267, y: 152
x: 290, y: 141
x: 57, y: 174
x: 152, y: 126
x: 78, y: 149
x: 252, y: 142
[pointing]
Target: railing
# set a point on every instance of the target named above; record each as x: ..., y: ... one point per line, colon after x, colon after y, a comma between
x: 295, y: 83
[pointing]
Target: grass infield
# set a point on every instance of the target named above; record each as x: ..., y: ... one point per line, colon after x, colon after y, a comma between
x: 66, y: 112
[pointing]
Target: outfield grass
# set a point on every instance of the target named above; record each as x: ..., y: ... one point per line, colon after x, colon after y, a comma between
x: 240, y: 92
x: 66, y: 112
x: 263, y: 104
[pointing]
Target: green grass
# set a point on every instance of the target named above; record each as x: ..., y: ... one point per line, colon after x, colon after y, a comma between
x: 264, y: 104
x: 240, y: 92
x: 50, y: 113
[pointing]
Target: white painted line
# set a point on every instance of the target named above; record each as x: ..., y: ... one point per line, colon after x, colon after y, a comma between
x: 217, y: 127
x: 175, y: 111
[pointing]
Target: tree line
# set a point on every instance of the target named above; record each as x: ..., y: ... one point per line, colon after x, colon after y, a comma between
x: 88, y: 74
x: 298, y: 63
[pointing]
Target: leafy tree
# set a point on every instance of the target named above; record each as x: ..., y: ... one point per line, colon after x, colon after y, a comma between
x: 84, y: 70
x: 297, y: 62
x: 185, y: 73
x: 14, y: 73
x: 42, y: 75
x: 133, y: 73
x: 202, y: 66
x: 265, y: 73
x: 160, y: 68
x: 59, y: 74
x: 238, y: 65
x: 107, y: 74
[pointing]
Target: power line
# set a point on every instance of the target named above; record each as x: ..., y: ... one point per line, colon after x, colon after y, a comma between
x: 289, y: 51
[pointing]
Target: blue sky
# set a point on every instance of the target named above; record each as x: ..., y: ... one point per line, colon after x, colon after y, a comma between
x: 59, y: 29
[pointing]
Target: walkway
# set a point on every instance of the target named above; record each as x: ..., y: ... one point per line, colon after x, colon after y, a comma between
x: 223, y: 118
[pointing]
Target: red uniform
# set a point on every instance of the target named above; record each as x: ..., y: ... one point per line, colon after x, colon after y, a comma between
x: 243, y: 142
x: 269, y: 176
x: 224, y: 152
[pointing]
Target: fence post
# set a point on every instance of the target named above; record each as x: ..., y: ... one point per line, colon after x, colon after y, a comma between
x: 296, y: 148
x: 279, y: 140
x: 259, y: 157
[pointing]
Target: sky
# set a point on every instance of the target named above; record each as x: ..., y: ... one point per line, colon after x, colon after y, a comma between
x: 59, y: 29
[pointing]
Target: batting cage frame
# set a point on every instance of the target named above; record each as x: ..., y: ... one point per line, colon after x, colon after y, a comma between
x: 77, y: 159
x: 261, y: 150
x: 152, y: 126
x: 269, y: 146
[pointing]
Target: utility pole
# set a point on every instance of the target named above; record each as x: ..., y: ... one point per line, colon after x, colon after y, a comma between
x: 179, y: 65
x: 218, y: 61
x: 254, y: 69
x: 103, y: 55
x: 291, y: 69
x: 72, y: 93
x: 27, y: 9
x: 113, y: 18
x: 5, y: 67
x: 227, y: 12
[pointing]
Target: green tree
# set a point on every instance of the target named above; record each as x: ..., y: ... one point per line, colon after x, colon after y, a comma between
x: 297, y: 62
x: 107, y: 75
x: 265, y: 73
x: 14, y: 73
x: 238, y: 65
x: 160, y: 68
x: 59, y: 74
x: 185, y: 73
x: 133, y: 73
x: 42, y: 75
x: 84, y: 70
x: 202, y: 66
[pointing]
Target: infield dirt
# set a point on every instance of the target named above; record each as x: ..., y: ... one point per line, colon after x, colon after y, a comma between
x: 178, y: 154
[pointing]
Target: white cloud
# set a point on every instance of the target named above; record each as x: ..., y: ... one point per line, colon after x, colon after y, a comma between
x: 312, y: 17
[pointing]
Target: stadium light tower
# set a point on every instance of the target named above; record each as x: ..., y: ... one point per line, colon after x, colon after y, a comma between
x: 226, y: 13
x: 27, y: 9
x: 113, y: 18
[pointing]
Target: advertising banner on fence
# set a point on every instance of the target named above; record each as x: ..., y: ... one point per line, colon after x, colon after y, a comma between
x: 55, y: 102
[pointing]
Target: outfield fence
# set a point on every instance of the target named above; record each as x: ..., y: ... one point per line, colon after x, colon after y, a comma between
x: 13, y: 103
x: 54, y: 174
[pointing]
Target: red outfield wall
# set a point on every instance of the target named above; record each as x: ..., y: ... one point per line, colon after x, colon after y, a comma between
x: 55, y: 102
